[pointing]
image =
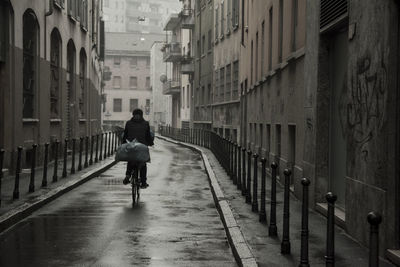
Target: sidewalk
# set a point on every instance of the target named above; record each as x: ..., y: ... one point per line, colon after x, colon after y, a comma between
x: 266, y: 250
x: 13, y: 210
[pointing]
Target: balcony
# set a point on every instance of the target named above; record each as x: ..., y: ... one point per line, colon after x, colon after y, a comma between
x: 172, y: 22
x: 187, y: 19
x: 187, y: 65
x: 172, y: 52
x: 171, y: 87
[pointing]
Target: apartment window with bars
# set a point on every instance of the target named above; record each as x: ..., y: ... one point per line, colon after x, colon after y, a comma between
x: 235, y: 80
x: 117, y: 105
x: 30, y: 53
x: 221, y: 83
x: 228, y: 82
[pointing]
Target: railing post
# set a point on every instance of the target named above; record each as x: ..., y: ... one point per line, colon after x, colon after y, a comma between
x: 55, y: 167
x: 101, y: 147
x: 109, y: 144
x: 73, y: 156
x: 254, y: 206
x: 33, y: 167
x: 1, y: 169
x: 80, y: 153
x: 105, y: 146
x: 239, y: 170
x: 91, y: 149
x: 285, y: 245
x: 96, y: 159
x: 263, y: 212
x: 330, y: 238
x: 244, y: 193
x: 86, y: 152
x: 64, y: 173
x: 272, y: 229
x: 17, y: 172
x: 304, y: 262
x: 374, y: 219
x: 46, y: 160
x: 248, y: 187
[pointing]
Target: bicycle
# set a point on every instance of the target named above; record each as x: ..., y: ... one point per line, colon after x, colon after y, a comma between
x: 135, y: 184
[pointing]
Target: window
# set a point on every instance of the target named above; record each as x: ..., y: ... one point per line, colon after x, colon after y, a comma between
x: 117, y: 82
x: 133, y: 104
x: 183, y: 97
x: 133, y: 62
x: 222, y: 19
x: 30, y: 52
x: 203, y: 43
x: 148, y: 82
x: 117, y: 107
x: 270, y: 40
x: 55, y: 64
x: 117, y: 62
x: 294, y: 22
x: 209, y: 40
x: 216, y: 23
x: 133, y: 82
x: 235, y: 80
x: 74, y: 7
x: 83, y: 13
x: 256, y: 61
x: 280, y: 37
x: 82, y: 82
x: 221, y: 84
x: 188, y: 96
x: 235, y: 13
x: 262, y: 47
x: 228, y: 82
x: 228, y: 16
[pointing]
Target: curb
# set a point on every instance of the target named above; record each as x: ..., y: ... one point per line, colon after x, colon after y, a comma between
x: 241, y: 250
x: 12, y: 217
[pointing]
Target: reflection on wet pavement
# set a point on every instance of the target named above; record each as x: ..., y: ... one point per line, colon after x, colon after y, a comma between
x: 175, y: 223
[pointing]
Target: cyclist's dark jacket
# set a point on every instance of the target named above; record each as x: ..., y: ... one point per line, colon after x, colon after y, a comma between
x: 139, y: 129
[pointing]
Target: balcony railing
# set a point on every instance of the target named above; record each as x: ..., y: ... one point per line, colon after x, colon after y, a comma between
x: 172, y: 52
x: 171, y: 87
x: 187, y: 18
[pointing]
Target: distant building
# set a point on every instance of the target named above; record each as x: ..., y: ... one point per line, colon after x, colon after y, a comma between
x: 128, y: 59
x: 114, y: 15
x: 50, y: 72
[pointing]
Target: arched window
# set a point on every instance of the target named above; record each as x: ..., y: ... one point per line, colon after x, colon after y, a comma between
x: 55, y: 65
x: 30, y: 52
x: 71, y: 54
x: 82, y: 83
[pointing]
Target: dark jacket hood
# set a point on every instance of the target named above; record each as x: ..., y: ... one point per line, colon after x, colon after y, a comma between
x: 137, y: 118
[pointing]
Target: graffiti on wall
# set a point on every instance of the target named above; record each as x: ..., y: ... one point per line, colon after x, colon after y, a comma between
x: 368, y: 95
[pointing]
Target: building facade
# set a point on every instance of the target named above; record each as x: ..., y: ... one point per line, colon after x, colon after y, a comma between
x: 177, y: 54
x: 225, y: 92
x: 128, y: 59
x: 50, y: 72
x: 114, y: 15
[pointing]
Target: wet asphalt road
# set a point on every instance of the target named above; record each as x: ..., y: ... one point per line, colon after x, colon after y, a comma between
x: 175, y: 223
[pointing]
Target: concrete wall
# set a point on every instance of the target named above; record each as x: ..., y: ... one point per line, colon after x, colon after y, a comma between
x: 17, y: 131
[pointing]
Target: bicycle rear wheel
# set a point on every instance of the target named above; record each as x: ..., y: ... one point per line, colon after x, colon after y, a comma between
x: 135, y: 186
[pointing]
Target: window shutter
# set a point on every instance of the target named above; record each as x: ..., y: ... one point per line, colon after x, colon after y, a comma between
x: 331, y: 11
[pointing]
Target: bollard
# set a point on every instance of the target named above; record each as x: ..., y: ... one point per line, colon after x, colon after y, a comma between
x: 330, y: 235
x: 101, y: 147
x: 33, y: 167
x: 248, y: 187
x: 272, y: 229
x: 244, y: 193
x: 254, y: 206
x: 64, y: 174
x: 17, y: 172
x: 1, y: 169
x: 80, y: 153
x: 86, y: 152
x: 73, y: 156
x: 285, y: 245
x: 304, y: 262
x: 91, y: 150
x: 109, y: 144
x: 55, y: 144
x: 234, y: 164
x: 263, y: 213
x: 239, y: 170
x: 46, y: 159
x: 374, y: 219
x: 96, y: 159
x: 105, y: 146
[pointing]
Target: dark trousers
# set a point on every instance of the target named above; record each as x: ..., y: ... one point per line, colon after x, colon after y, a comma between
x: 142, y: 171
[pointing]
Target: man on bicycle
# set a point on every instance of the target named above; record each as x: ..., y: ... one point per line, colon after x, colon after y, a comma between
x: 137, y: 128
